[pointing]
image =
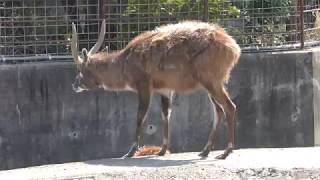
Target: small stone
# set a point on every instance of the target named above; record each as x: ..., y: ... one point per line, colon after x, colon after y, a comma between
x: 265, y: 172
x: 249, y: 172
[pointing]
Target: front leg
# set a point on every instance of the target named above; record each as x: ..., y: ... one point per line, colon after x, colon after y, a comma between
x: 166, y: 111
x: 144, y: 101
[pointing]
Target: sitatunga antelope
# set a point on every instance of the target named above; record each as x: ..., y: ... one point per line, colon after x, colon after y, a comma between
x: 182, y: 57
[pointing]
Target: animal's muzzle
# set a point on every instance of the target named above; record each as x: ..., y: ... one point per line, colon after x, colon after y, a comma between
x: 77, y: 88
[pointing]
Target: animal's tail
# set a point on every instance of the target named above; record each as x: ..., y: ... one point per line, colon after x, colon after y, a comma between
x: 148, y: 150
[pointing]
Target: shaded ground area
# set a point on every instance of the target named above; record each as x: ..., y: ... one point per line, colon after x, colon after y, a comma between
x: 288, y: 163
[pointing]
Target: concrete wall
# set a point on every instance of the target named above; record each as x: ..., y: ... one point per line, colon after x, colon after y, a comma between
x: 43, y: 121
x: 316, y: 96
x: 275, y: 96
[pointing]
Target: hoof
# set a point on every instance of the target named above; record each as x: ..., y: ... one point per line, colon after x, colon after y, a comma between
x: 225, y: 154
x: 204, y: 154
x: 126, y: 156
x: 131, y: 152
x: 163, y: 150
x: 161, y: 153
x: 221, y: 156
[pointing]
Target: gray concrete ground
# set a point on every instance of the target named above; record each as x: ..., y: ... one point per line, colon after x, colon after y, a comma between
x: 287, y: 163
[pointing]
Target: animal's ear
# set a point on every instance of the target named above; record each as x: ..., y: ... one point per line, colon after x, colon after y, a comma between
x: 84, y: 55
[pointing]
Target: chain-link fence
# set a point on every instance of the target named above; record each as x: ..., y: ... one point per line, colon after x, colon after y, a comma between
x: 42, y: 28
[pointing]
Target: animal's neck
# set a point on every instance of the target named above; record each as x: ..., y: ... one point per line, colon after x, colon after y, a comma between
x: 110, y: 73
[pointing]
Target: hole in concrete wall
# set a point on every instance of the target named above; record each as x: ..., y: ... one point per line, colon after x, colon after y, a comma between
x: 151, y: 129
x: 74, y: 135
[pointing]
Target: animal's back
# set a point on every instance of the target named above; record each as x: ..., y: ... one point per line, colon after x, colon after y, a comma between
x: 192, y: 37
x: 176, y: 53
x: 199, y: 32
x: 207, y: 46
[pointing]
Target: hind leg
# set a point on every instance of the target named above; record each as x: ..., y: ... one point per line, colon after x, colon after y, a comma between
x: 218, y: 116
x: 221, y: 97
x: 165, y: 105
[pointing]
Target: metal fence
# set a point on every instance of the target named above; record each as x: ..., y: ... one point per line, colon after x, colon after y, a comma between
x: 42, y: 27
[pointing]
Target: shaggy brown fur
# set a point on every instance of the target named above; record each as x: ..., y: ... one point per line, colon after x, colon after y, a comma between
x: 181, y: 57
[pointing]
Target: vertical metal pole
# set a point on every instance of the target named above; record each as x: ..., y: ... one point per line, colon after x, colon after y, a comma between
x: 301, y: 7
x: 102, y: 14
x: 101, y: 9
x: 205, y: 11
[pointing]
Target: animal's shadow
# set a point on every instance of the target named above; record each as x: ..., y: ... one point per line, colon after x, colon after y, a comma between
x: 147, y: 161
